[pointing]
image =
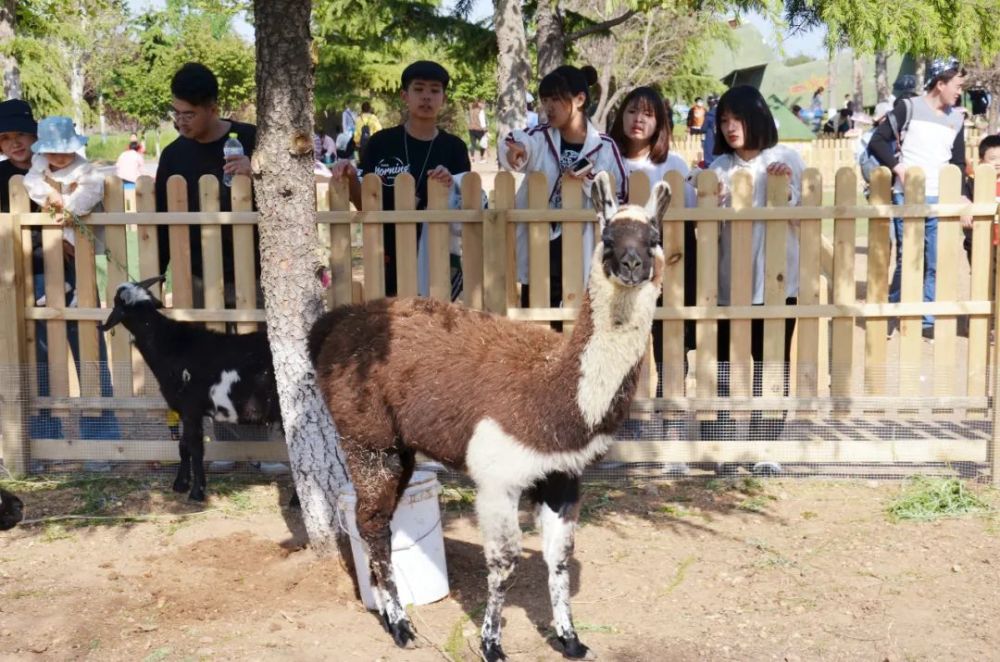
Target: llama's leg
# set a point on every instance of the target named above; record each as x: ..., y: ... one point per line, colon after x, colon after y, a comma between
x: 497, y: 511
x: 378, y: 481
x: 558, y: 499
x: 191, y: 430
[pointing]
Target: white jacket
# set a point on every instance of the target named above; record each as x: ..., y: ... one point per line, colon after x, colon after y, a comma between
x: 81, y: 186
x: 725, y: 166
x: 542, y: 145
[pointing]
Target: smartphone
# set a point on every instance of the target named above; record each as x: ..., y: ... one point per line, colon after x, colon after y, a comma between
x: 581, y: 167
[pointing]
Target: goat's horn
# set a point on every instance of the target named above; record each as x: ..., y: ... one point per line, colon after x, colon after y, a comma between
x: 149, y: 282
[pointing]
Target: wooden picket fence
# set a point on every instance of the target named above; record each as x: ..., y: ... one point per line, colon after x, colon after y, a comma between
x: 843, y: 366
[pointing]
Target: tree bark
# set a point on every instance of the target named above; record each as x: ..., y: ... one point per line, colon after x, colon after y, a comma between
x: 286, y: 197
x: 8, y: 63
x: 550, y: 39
x: 859, y: 78
x: 882, y: 89
x: 513, y: 66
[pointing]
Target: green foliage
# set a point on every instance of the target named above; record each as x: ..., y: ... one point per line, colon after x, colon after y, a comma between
x: 924, y: 499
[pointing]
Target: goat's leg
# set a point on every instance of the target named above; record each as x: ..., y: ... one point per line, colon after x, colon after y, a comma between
x: 378, y: 481
x: 497, y: 511
x: 192, y: 429
x: 558, y: 499
x: 196, y: 447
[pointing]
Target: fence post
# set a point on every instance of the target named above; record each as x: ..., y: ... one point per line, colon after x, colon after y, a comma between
x: 12, y: 348
x: 495, y: 246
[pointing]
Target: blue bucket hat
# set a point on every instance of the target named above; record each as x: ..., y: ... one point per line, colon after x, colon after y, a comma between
x: 939, y: 67
x: 57, y: 135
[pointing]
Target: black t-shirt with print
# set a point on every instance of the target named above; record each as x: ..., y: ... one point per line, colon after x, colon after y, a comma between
x: 569, y: 153
x: 391, y: 152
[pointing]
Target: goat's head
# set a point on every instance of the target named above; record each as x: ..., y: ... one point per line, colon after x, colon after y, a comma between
x: 630, y: 234
x: 130, y: 297
x: 11, y: 510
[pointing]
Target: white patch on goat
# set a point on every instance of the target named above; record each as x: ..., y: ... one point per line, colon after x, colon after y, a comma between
x: 132, y: 294
x: 557, y: 548
x: 220, y: 394
x: 623, y: 318
x: 497, y: 459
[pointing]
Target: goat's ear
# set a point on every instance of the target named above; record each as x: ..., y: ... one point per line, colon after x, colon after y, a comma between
x: 656, y: 207
x: 603, y: 198
x: 149, y: 282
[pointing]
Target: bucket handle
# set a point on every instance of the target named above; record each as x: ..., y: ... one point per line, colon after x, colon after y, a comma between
x: 343, y: 527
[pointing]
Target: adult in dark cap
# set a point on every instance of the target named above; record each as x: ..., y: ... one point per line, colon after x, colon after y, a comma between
x: 18, y: 132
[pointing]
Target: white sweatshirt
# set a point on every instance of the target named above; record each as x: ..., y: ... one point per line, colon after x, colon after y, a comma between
x: 81, y: 187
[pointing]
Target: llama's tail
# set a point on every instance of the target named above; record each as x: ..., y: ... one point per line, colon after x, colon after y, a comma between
x: 319, y: 332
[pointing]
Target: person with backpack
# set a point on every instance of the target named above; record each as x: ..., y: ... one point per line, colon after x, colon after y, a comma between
x: 927, y: 131
x: 696, y: 117
x: 366, y: 126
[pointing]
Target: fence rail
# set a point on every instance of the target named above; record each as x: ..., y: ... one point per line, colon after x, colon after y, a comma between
x: 844, y: 367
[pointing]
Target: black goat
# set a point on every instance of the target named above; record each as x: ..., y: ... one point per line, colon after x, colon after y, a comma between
x: 11, y: 510
x: 200, y: 372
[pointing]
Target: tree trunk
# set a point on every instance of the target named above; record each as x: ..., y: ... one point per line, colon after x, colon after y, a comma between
x: 859, y: 77
x: 921, y: 69
x: 605, y: 66
x: 882, y: 89
x: 550, y: 40
x: 286, y: 198
x: 76, y: 89
x: 513, y: 67
x: 831, y: 74
x: 8, y: 63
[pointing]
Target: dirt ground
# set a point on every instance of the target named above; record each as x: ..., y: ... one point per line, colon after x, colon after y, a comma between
x: 719, y: 570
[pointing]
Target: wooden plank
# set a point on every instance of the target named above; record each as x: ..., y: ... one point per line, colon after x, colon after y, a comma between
x: 879, y: 250
x: 149, y: 266
x: 572, y: 258
x: 244, y: 267
x: 912, y: 287
x: 844, y: 289
x: 341, y: 274
x: 439, y: 243
x: 741, y: 365
x: 638, y: 192
x: 86, y: 297
x: 946, y: 289
x: 538, y: 243
x: 405, y: 192
x: 812, y: 451
x: 372, y: 246
x: 180, y: 246
x: 211, y: 250
x: 810, y: 236
x: 706, y: 332
x: 472, y: 243
x: 20, y: 203
x: 775, y: 290
x: 119, y: 347
x: 672, y: 372
x: 148, y: 450
x: 495, y: 247
x: 983, y: 261
x: 55, y: 299
x: 13, y: 351
x: 639, y: 189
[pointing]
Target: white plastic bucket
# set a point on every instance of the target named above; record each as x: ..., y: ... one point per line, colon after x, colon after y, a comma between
x: 418, y: 562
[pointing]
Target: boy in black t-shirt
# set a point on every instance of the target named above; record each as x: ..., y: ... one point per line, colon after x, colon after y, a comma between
x: 417, y: 146
x: 197, y: 151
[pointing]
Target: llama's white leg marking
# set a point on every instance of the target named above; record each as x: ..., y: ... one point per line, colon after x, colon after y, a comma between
x: 496, y: 507
x: 557, y: 548
x: 220, y: 395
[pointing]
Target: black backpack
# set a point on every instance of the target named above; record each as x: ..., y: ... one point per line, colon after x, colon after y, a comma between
x: 366, y: 133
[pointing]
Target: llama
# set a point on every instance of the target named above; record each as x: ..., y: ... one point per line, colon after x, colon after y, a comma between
x: 11, y: 510
x: 200, y: 372
x: 515, y: 405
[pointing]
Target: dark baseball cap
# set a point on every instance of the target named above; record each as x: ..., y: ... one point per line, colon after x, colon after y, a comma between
x: 15, y: 115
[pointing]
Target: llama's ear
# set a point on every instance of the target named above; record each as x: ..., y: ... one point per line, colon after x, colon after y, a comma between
x: 603, y: 198
x: 656, y: 207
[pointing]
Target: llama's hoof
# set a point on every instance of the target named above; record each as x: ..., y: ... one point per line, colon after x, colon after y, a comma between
x: 573, y: 649
x: 197, y: 494
x: 492, y: 652
x: 182, y: 485
x: 294, y: 501
x: 402, y: 632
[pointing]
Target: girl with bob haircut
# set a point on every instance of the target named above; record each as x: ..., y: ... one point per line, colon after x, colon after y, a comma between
x: 746, y: 139
x: 567, y: 147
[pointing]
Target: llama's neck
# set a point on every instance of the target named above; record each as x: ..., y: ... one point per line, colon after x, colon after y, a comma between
x: 610, y: 338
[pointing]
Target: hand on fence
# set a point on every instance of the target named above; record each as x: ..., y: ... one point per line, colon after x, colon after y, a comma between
x: 779, y: 169
x: 54, y: 202
x: 440, y: 174
x: 342, y: 169
x: 900, y: 171
x: 237, y: 165
x: 516, y: 154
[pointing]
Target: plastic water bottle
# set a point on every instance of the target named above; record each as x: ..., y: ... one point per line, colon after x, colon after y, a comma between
x: 233, y: 147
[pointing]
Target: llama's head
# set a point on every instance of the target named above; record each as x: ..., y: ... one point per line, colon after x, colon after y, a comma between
x: 130, y: 298
x: 631, y: 234
x: 11, y: 510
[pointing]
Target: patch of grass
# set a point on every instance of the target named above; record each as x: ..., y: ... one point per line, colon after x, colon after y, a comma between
x: 54, y: 532
x: 594, y: 505
x: 593, y: 627
x: 241, y: 501
x: 924, y: 499
x: 101, y: 494
x: 679, y: 574
x: 455, y: 645
x: 808, y: 514
x: 755, y: 504
x: 459, y: 499
x: 157, y: 655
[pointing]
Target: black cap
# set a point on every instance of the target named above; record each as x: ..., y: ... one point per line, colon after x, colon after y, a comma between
x: 425, y: 70
x: 15, y: 115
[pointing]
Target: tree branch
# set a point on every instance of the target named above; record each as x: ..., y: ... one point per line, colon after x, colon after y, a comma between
x: 600, y: 27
